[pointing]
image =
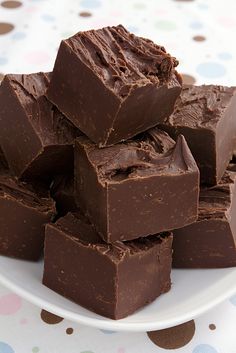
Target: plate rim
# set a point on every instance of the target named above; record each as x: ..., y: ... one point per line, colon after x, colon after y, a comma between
x: 115, y: 325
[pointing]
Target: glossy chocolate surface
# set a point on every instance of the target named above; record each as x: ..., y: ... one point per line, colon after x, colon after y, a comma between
x: 24, y: 211
x: 211, y: 241
x: 43, y: 137
x: 206, y: 116
x: 143, y: 186
x: 112, y: 84
x: 111, y: 280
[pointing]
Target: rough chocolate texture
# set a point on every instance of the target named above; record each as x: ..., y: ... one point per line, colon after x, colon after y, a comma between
x: 62, y: 191
x: 24, y: 211
x: 43, y: 137
x: 144, y: 186
x: 206, y: 116
x: 123, y: 277
x: 113, y: 85
x: 211, y: 241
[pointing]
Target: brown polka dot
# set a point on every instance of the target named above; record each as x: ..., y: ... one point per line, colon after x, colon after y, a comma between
x: 1, y: 76
x: 11, y: 4
x: 174, y: 337
x: 69, y: 331
x: 188, y: 79
x: 85, y: 14
x: 199, y: 38
x: 212, y: 327
x: 5, y: 27
x: 50, y: 318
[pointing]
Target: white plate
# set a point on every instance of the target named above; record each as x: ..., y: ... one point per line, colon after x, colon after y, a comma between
x: 193, y: 292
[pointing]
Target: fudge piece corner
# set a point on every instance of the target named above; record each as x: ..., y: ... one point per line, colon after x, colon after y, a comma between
x: 112, y: 286
x: 24, y: 210
x: 148, y: 176
x: 43, y: 137
x: 210, y: 242
x: 133, y: 80
x: 205, y: 115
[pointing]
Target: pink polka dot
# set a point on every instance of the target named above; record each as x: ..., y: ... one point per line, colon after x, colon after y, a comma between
x: 121, y: 350
x: 37, y: 57
x: 116, y: 13
x: 23, y: 321
x: 31, y: 9
x: 228, y: 22
x: 9, y: 304
x: 161, y: 12
x: 172, y: 46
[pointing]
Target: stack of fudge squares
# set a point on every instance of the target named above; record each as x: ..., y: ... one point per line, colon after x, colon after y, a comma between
x: 114, y: 167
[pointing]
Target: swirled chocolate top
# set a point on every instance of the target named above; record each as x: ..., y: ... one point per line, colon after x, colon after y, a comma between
x: 122, y: 60
x: 50, y: 124
x: 150, y: 153
x: 201, y: 106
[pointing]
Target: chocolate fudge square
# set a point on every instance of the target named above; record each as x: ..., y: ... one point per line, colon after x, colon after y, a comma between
x: 24, y: 211
x: 206, y: 116
x: 111, y: 280
x: 210, y: 242
x: 63, y: 192
x: 143, y: 186
x: 35, y: 137
x: 112, y: 84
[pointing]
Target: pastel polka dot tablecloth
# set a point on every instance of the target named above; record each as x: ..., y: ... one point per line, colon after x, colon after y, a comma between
x: 201, y: 34
x: 25, y: 328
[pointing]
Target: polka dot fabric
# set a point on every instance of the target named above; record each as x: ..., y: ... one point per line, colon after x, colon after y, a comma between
x: 200, y: 33
x: 27, y: 329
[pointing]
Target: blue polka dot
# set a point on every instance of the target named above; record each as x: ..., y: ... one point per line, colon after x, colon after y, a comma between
x: 107, y: 332
x: 3, y: 60
x: 225, y: 56
x: 132, y: 29
x: 211, y: 70
x: 203, y: 6
x: 196, y: 25
x: 48, y: 18
x: 18, y: 35
x: 90, y: 4
x: 5, y: 348
x: 233, y: 300
x: 204, y: 348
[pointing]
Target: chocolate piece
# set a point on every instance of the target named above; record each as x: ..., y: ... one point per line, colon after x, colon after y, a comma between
x: 206, y: 116
x: 111, y: 280
x: 140, y: 187
x: 62, y: 191
x: 113, y: 85
x: 24, y: 210
x: 35, y: 137
x: 211, y: 241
